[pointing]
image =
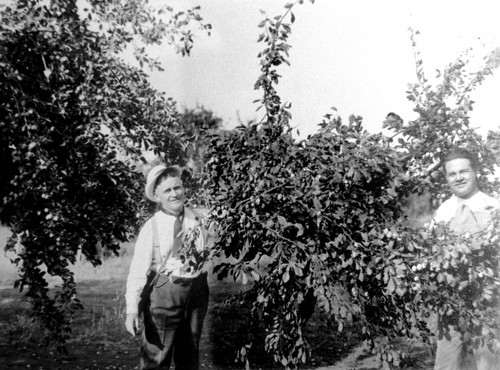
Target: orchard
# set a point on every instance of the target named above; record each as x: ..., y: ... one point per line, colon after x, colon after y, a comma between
x: 321, y: 223
x: 313, y: 224
x: 75, y: 121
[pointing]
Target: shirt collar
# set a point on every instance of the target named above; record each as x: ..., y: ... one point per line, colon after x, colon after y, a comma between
x: 176, y: 215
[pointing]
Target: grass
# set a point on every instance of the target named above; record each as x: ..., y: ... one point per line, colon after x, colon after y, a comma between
x: 99, y: 333
x: 100, y: 341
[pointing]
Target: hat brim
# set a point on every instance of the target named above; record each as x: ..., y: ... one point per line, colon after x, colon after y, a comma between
x: 153, y: 175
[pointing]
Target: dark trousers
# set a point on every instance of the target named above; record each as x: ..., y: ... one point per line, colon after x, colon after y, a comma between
x: 173, y: 321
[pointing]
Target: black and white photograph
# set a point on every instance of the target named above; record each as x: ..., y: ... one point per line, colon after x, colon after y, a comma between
x: 249, y: 184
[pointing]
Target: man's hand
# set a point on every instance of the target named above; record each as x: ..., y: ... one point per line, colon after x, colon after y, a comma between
x: 132, y: 323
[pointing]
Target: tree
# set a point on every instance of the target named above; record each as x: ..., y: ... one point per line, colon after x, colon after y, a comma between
x: 443, y: 120
x: 455, y: 276
x: 74, y: 120
x: 321, y: 222
x: 197, y: 125
x: 493, y: 141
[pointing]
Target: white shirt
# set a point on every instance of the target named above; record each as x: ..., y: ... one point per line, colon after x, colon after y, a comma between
x: 478, y: 203
x: 142, y: 261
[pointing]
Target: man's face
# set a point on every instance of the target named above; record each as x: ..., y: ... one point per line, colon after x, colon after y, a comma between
x: 461, y: 177
x: 170, y: 193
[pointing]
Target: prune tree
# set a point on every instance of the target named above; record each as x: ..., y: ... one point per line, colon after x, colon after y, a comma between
x: 308, y: 222
x: 443, y: 120
x: 320, y: 222
x: 197, y: 125
x: 74, y: 120
x: 455, y: 275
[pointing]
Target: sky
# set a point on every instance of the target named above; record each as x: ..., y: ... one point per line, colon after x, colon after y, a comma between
x: 353, y: 55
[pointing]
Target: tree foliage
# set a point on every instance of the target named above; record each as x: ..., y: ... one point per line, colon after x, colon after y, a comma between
x: 74, y: 120
x: 443, y: 120
x: 197, y: 125
x: 454, y: 275
x: 321, y: 222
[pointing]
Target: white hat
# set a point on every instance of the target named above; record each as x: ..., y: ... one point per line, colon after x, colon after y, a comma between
x: 153, y: 175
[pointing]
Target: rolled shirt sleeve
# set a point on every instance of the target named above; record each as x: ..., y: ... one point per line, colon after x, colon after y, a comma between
x: 139, y: 267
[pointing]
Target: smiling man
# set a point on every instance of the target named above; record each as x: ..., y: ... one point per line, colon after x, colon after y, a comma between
x: 175, y: 307
x: 460, y: 168
x: 467, y: 210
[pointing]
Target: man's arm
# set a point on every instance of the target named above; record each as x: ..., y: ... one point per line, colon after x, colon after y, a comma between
x: 132, y: 323
x: 139, y: 268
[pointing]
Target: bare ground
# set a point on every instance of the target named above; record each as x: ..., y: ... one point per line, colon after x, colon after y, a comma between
x: 101, y: 342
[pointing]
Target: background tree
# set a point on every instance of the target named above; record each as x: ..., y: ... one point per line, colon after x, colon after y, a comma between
x: 493, y: 141
x: 322, y: 220
x: 197, y: 125
x: 74, y: 120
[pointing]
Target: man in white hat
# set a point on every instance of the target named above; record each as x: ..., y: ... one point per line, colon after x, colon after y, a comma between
x: 175, y: 307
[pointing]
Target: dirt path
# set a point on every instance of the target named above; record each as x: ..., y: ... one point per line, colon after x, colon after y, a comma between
x: 359, y: 359
x: 419, y: 357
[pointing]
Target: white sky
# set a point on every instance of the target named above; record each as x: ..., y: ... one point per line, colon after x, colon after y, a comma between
x: 355, y: 55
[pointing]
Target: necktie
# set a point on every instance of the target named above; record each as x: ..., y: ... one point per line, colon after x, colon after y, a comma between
x: 177, y: 243
x: 465, y: 220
